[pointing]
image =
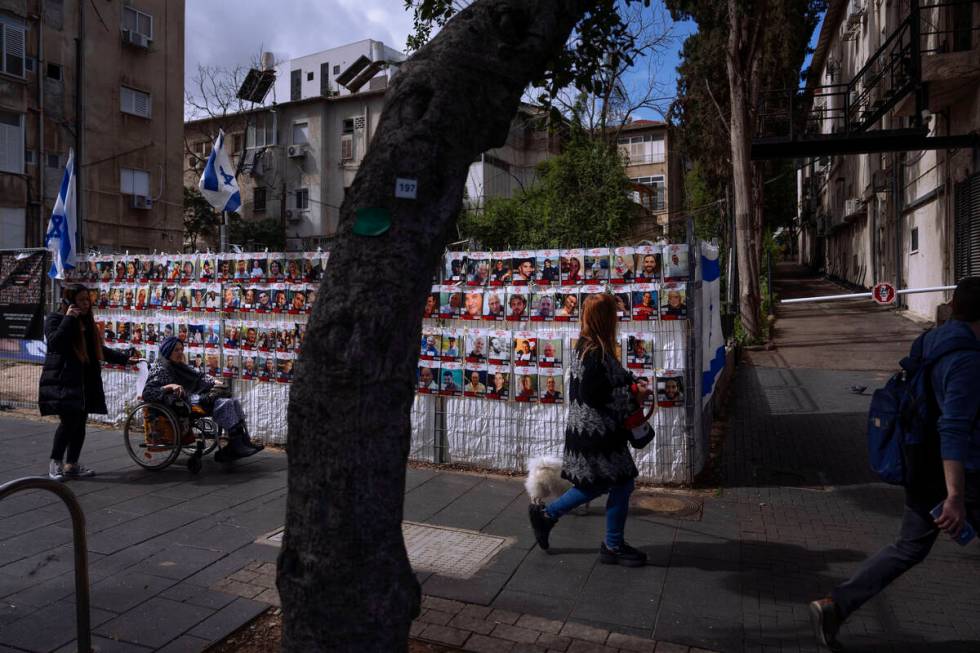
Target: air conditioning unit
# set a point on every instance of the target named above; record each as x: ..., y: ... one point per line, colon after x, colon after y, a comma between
x: 136, y: 39
x: 141, y: 202
x: 855, y: 12
x: 852, y: 206
x: 295, y: 215
x: 347, y: 147
x: 833, y: 66
x: 296, y: 151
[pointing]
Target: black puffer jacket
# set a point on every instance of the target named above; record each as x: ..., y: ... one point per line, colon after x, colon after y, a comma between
x: 68, y: 385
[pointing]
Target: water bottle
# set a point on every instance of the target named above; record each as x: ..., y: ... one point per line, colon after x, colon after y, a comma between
x: 967, y: 533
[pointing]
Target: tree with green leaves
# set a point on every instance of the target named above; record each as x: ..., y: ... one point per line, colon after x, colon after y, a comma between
x: 579, y: 199
x: 343, y: 572
x: 200, y: 218
x: 758, y: 44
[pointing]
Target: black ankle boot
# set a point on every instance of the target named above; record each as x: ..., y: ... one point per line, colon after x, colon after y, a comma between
x: 248, y: 441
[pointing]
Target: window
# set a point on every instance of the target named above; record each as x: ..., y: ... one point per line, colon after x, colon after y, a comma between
x: 914, y: 241
x: 53, y: 161
x: 236, y: 143
x: 336, y: 70
x: 54, y: 71
x: 134, y: 102
x: 134, y: 182
x: 303, y: 198
x: 30, y: 157
x: 262, y: 132
x: 348, y: 127
x: 137, y: 21
x: 651, y: 201
x: 11, y: 142
x: 325, y: 79
x: 30, y: 63
x: 295, y: 85
x: 309, y: 76
x: 13, y: 35
x: 258, y: 199
x: 642, y: 149
x: 301, y: 133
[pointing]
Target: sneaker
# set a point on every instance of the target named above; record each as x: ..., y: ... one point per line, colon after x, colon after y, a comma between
x: 623, y: 554
x: 541, y: 524
x: 77, y: 471
x: 826, y: 623
x: 54, y: 471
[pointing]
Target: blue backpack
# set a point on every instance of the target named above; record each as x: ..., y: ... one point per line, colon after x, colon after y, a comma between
x: 903, y: 417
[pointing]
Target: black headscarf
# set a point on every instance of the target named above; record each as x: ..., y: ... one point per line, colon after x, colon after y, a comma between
x: 190, y: 379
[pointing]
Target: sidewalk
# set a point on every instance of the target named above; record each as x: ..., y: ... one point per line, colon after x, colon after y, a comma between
x: 175, y: 564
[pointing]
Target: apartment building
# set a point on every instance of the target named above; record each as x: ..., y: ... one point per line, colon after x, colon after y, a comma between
x: 897, y: 83
x: 653, y: 172
x: 107, y: 80
x: 365, y: 65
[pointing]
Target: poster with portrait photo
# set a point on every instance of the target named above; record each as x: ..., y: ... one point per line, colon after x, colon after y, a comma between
x: 267, y: 367
x: 240, y: 266
x: 478, y: 269
x: 151, y: 352
x: 151, y: 333
x: 597, y: 265
x: 212, y: 361
x: 207, y: 271
x: 498, y: 382
x: 517, y: 304
x: 543, y: 305
x: 106, y: 269
x: 430, y: 310
x: 197, y: 298
x: 226, y: 268
x: 249, y: 336
x: 142, y: 297
x: 670, y: 388
x: 276, y: 272
x: 129, y: 297
x: 494, y: 304
x: 286, y: 340
x: 248, y: 299
x: 115, y: 297
x: 472, y: 304
x: 169, y: 298
x: 188, y: 270
x: 155, y: 299
x: 499, y: 347
x: 500, y: 270
x: 624, y: 303
x: 430, y: 349
x: 526, y: 385
x: 522, y: 266
x: 313, y: 266
x: 232, y: 337
x: 547, y: 267
x: 525, y: 345
x: 195, y: 358
x: 451, y: 380
x: 280, y: 298
x: 646, y: 306
x: 294, y: 268
x: 138, y: 334
x: 648, y: 266
x: 183, y: 298
x: 102, y: 296
x: 212, y: 298
x: 183, y: 329
x: 299, y: 300
x: 108, y: 330
x: 132, y: 269
x: 475, y: 351
x: 300, y: 334
x: 427, y: 378
x: 566, y: 306
x: 263, y: 300
x: 119, y: 269
x: 453, y: 268
x: 677, y: 264
x: 284, y: 367
x: 572, y: 262
x: 475, y: 378
x: 212, y: 334
x: 673, y: 301
x: 258, y: 265
x: 195, y: 334
x: 265, y: 338
x: 639, y: 350
x: 88, y: 272
x: 250, y: 366
x: 167, y: 328
x: 550, y: 349
x: 450, y: 302
x: 621, y: 270
x: 453, y: 347
x: 231, y: 298
x: 232, y: 364
x: 550, y: 385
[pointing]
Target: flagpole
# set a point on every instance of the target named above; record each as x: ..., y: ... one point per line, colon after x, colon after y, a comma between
x: 224, y: 231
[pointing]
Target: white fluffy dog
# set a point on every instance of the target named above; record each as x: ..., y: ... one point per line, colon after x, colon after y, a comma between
x: 544, y: 482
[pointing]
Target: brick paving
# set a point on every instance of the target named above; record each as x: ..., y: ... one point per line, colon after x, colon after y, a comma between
x: 174, y: 563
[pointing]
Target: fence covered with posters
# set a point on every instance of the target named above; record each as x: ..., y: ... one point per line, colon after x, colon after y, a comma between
x: 499, y: 332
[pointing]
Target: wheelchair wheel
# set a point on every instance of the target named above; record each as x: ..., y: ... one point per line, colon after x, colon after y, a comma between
x: 207, y: 431
x: 152, y: 436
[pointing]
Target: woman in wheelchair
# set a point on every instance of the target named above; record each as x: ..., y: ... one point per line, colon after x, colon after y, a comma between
x: 172, y: 381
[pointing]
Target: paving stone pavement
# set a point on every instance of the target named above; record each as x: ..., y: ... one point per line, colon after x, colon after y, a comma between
x: 174, y: 563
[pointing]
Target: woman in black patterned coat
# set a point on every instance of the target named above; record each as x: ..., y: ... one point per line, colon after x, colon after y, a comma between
x: 604, y: 418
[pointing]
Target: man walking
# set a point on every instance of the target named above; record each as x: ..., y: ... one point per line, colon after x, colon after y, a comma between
x: 952, y: 482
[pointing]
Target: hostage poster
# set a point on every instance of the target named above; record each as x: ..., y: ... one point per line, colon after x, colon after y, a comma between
x: 22, y: 283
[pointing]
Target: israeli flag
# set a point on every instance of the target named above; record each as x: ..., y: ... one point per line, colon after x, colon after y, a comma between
x: 712, y: 338
x: 60, y: 237
x: 218, y: 184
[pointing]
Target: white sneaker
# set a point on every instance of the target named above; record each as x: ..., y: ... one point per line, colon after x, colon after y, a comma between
x: 77, y: 471
x: 55, y: 472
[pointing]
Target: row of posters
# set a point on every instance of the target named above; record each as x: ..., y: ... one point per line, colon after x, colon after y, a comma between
x: 271, y: 366
x: 567, y: 267
x: 257, y: 267
x: 247, y: 335
x: 526, y: 384
x: 636, y: 302
x: 293, y: 299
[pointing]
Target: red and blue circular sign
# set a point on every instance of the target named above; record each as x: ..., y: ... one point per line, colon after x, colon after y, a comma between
x: 883, y: 293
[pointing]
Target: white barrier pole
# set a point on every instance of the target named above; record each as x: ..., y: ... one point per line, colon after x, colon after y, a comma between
x: 864, y: 295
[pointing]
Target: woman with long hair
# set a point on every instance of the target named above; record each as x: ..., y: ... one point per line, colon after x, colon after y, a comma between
x: 71, y: 380
x: 604, y: 402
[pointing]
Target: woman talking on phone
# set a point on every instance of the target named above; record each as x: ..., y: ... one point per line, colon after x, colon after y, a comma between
x: 71, y: 381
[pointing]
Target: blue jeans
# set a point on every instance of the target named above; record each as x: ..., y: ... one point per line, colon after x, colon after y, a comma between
x: 617, y: 507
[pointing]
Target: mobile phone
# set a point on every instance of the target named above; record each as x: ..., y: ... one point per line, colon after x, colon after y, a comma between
x: 967, y: 533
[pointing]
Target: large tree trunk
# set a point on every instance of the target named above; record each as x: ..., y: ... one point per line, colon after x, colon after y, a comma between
x: 344, y: 576
x: 747, y: 235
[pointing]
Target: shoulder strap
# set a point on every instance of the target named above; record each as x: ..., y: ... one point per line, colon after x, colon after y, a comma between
x: 950, y: 348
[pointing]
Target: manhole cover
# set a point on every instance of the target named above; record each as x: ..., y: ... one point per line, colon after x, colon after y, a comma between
x: 666, y: 505
x: 442, y: 550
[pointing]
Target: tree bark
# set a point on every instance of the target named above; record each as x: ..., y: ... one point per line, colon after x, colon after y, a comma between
x: 747, y: 234
x: 344, y: 576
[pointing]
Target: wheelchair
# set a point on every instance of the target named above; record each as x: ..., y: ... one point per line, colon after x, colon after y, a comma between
x: 155, y: 434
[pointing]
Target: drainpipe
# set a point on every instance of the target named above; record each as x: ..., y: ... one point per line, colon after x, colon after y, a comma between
x: 79, y: 130
x: 39, y: 161
x: 898, y: 197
